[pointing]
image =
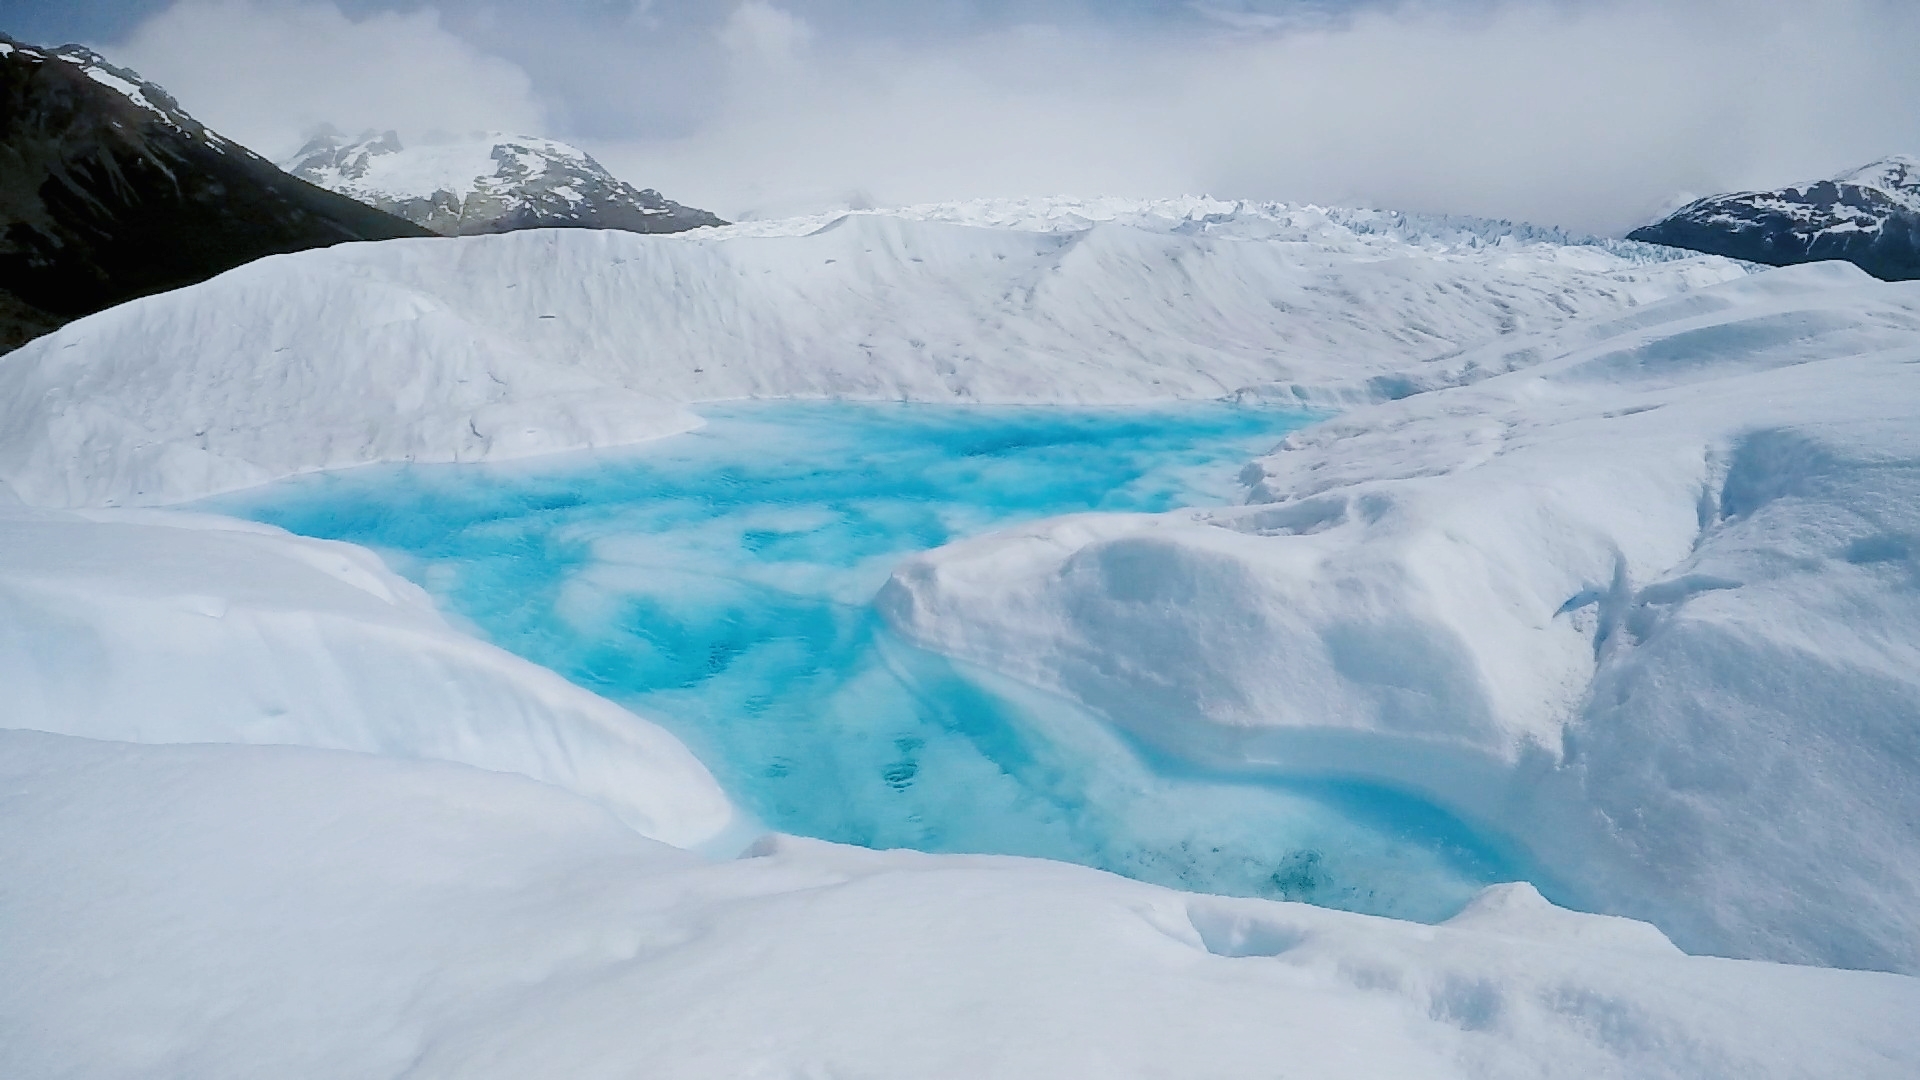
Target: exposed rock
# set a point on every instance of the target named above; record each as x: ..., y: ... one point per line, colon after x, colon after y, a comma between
x: 1869, y: 217
x: 110, y: 191
x: 488, y: 183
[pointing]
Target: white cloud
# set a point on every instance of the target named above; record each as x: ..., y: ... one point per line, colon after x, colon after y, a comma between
x: 760, y: 31
x: 1590, y: 116
x: 1589, y: 113
x: 265, y: 72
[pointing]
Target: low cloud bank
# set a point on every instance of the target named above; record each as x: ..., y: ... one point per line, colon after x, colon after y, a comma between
x: 1590, y: 115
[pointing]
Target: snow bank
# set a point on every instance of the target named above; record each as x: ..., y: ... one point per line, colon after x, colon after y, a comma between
x: 247, y: 911
x: 494, y: 347
x: 1650, y: 606
x: 169, y: 628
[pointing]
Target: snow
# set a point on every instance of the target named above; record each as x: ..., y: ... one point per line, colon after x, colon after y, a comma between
x: 1897, y: 176
x: 503, y: 346
x: 159, y: 627
x: 130, y: 90
x: 120, y: 81
x: 1615, y: 558
x: 293, y: 912
x: 1649, y: 605
x: 380, y: 171
x: 458, y: 166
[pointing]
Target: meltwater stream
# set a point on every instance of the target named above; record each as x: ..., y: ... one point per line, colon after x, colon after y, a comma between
x: 720, y: 583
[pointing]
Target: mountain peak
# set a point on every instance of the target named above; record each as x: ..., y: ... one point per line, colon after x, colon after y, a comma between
x: 1869, y: 216
x: 1897, y: 175
x: 487, y: 182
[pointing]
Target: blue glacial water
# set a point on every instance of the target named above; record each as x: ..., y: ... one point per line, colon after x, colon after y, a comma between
x: 720, y: 583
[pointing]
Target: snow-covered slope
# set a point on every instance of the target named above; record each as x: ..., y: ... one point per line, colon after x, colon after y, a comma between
x: 1650, y: 605
x: 171, y: 628
x: 1869, y: 216
x: 1898, y: 177
x: 214, y: 912
x: 488, y: 183
x: 489, y: 347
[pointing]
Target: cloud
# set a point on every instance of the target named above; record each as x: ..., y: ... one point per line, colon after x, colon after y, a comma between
x: 761, y: 32
x: 1590, y: 116
x: 1587, y: 113
x: 266, y: 72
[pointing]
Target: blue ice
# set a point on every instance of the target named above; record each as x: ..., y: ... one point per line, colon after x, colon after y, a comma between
x: 720, y: 582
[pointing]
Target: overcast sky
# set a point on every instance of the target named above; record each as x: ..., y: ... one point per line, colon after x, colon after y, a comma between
x: 1587, y: 113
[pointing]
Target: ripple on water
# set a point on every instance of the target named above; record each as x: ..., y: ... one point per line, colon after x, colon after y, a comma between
x: 721, y: 581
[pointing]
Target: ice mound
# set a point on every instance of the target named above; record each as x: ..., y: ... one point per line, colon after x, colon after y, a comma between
x: 157, y: 627
x: 1651, y: 606
x: 293, y: 912
x: 503, y: 346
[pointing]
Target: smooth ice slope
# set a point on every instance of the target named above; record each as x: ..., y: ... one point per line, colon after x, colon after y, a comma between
x: 171, y: 628
x: 213, y: 912
x: 494, y: 347
x: 722, y: 581
x: 1652, y: 604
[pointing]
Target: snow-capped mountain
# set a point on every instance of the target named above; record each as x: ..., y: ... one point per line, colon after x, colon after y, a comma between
x: 1869, y: 217
x: 110, y: 191
x: 489, y: 183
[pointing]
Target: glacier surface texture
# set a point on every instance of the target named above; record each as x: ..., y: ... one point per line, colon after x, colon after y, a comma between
x: 1609, y: 567
x: 721, y: 583
x: 1652, y: 601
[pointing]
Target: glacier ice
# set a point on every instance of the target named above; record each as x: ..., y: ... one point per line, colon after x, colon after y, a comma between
x: 163, y: 627
x: 1626, y: 572
x: 253, y: 910
x: 720, y: 582
x: 495, y: 347
x: 1651, y: 602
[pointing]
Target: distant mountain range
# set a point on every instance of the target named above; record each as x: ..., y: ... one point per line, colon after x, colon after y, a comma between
x: 1869, y: 217
x: 488, y: 183
x: 110, y: 191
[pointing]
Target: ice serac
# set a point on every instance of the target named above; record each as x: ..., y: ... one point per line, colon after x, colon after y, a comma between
x: 109, y: 190
x: 172, y: 628
x: 488, y: 183
x: 1651, y: 606
x: 497, y: 346
x: 243, y: 911
x: 1869, y: 217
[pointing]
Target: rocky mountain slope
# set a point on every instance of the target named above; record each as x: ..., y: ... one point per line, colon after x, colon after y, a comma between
x: 1869, y: 217
x: 110, y: 191
x: 488, y: 183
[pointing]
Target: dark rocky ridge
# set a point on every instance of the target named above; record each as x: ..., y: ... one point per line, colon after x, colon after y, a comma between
x: 1869, y: 217
x: 109, y: 191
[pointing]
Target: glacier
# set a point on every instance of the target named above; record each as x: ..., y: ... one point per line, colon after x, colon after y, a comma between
x: 721, y: 582
x: 1609, y: 550
x: 1651, y: 600
x: 250, y: 910
x: 164, y: 627
x: 494, y: 347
